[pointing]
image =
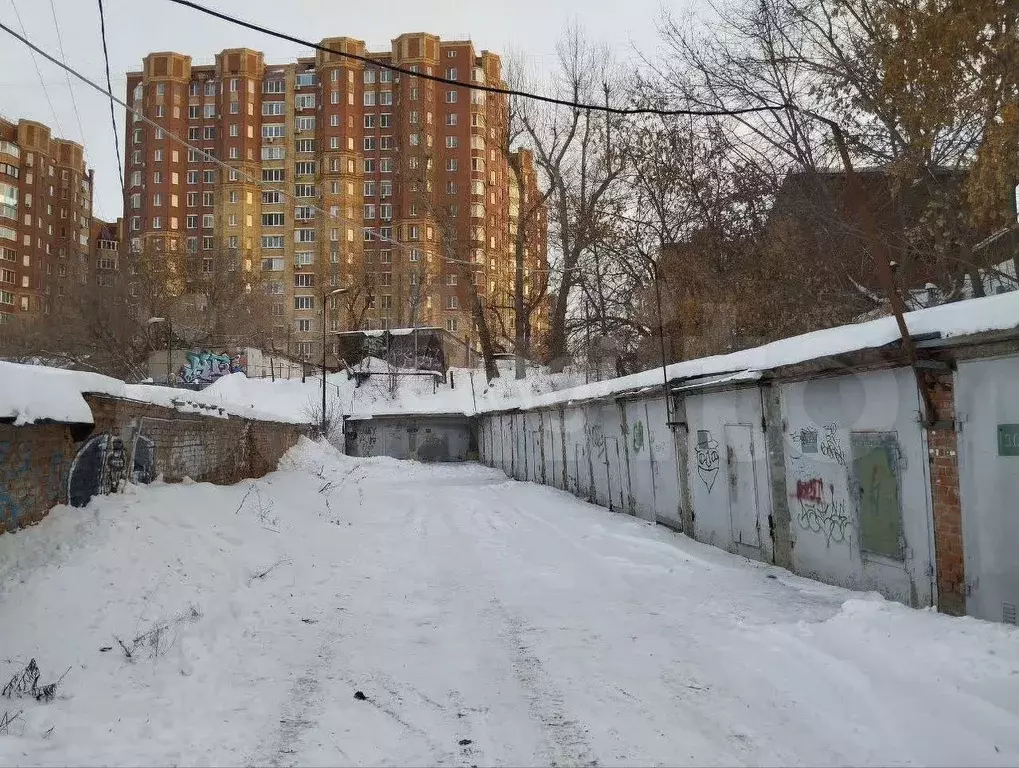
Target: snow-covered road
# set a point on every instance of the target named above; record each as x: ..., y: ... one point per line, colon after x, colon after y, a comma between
x: 485, y: 622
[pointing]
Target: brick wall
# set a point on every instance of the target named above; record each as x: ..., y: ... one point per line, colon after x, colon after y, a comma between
x: 42, y: 465
x: 944, y: 464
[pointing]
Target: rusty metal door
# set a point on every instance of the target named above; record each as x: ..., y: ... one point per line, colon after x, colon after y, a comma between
x: 743, y: 507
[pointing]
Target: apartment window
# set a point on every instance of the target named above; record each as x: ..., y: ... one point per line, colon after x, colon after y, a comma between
x: 452, y: 142
x: 386, y: 76
x: 235, y: 107
x: 369, y: 189
x: 452, y: 324
x: 304, y: 302
x: 273, y: 86
x: 451, y: 97
x: 305, y: 145
x: 369, y: 98
x: 192, y: 177
x: 207, y: 221
x: 272, y: 242
x: 304, y: 280
x: 209, y: 132
x: 304, y: 123
x: 304, y: 101
x: 136, y: 200
x: 369, y: 121
x: 191, y: 221
x: 272, y: 265
x: 451, y: 187
x: 386, y: 98
x: 304, y: 213
x: 334, y: 142
x: 273, y: 153
x: 369, y: 165
x: 304, y: 235
x: 271, y: 197
x: 304, y: 190
x: 369, y: 211
x: 209, y: 110
x: 386, y: 211
x: 386, y: 143
x: 157, y: 177
x: 273, y: 108
x: 273, y: 131
x: 369, y: 143
x: 207, y: 199
x: 452, y: 302
x: 451, y: 73
x: 387, y: 302
x: 413, y: 117
x: 386, y: 165
x: 369, y: 76
x: 272, y: 219
x: 451, y: 164
x: 305, y: 79
x: 414, y: 93
x: 334, y: 121
x: 157, y: 222
x: 159, y: 110
x: 210, y: 88
x: 385, y: 120
x: 451, y: 118
x: 273, y: 174
x: 413, y: 232
x: 385, y: 188
x: 305, y: 168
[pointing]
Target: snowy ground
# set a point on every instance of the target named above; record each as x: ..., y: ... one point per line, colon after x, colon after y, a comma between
x: 485, y: 621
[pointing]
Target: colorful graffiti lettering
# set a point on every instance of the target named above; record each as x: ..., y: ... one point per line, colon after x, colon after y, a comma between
x: 826, y: 516
x: 810, y: 490
x: 203, y: 368
x: 707, y: 458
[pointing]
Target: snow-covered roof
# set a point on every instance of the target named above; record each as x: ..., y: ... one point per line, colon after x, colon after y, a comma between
x: 963, y: 318
x: 30, y: 393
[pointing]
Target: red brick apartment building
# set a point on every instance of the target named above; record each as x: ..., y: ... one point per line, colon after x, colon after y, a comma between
x: 343, y: 173
x: 45, y: 217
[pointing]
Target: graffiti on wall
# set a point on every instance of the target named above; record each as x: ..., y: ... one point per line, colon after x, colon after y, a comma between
x: 203, y: 368
x: 821, y: 512
x: 707, y: 458
x: 597, y: 438
x: 638, y: 437
x: 100, y: 467
x: 831, y: 447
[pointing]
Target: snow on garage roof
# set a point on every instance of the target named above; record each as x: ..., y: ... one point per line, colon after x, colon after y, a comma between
x: 962, y: 318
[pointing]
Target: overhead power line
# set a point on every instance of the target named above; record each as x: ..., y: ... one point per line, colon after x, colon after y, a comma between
x: 109, y: 88
x: 720, y: 112
x: 67, y: 77
x: 45, y: 90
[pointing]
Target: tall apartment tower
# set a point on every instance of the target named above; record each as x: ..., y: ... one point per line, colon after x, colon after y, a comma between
x: 342, y: 174
x: 45, y: 216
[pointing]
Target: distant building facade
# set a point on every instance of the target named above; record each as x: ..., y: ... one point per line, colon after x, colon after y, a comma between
x: 342, y: 174
x: 45, y: 218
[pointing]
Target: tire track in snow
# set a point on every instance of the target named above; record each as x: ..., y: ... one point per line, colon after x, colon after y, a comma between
x: 567, y: 739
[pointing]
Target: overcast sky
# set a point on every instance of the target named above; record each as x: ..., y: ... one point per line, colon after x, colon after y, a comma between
x: 137, y: 27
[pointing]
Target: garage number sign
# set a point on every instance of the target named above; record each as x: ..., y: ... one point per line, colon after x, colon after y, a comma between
x: 1008, y: 439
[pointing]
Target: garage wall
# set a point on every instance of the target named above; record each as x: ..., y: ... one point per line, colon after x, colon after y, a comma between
x: 857, y: 483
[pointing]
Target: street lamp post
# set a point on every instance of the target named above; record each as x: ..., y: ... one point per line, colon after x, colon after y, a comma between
x: 169, y: 342
x: 334, y: 292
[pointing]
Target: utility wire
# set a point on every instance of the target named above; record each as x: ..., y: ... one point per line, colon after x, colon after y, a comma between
x: 109, y: 89
x: 478, y: 86
x: 210, y: 158
x: 38, y: 71
x: 67, y: 77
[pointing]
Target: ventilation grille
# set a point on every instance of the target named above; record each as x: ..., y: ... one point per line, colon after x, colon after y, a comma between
x: 1008, y: 613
